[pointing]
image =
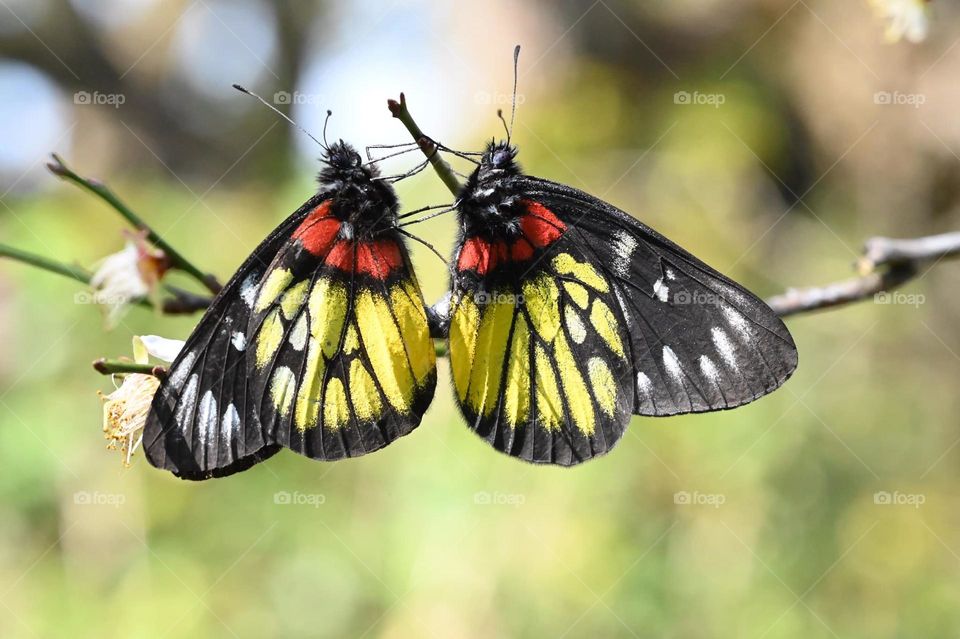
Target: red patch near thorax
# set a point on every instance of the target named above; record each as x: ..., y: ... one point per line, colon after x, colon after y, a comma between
x: 376, y: 259
x: 318, y: 234
x: 318, y: 231
x: 540, y: 228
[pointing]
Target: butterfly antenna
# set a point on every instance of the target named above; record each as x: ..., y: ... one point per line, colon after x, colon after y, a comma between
x: 325, y: 121
x: 504, y: 123
x: 285, y: 116
x: 513, y: 105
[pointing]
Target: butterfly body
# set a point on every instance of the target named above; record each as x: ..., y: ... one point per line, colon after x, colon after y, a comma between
x: 319, y: 343
x: 569, y: 315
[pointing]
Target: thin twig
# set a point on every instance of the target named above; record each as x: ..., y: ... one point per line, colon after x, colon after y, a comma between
x: 886, y: 264
x: 73, y: 272
x: 399, y: 111
x: 106, y: 366
x: 180, y: 303
x: 58, y: 168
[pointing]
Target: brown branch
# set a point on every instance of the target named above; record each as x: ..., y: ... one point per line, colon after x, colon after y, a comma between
x: 886, y: 264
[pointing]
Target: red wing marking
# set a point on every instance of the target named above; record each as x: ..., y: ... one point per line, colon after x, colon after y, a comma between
x: 376, y: 259
x: 318, y: 231
x: 540, y: 228
x: 540, y: 225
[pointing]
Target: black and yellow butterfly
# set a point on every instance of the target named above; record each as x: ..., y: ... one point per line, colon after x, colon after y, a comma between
x: 319, y: 343
x: 567, y: 316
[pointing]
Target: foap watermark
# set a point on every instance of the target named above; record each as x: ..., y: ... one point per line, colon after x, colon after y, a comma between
x: 285, y: 97
x: 486, y: 297
x: 485, y: 498
x: 898, y: 98
x: 696, y: 98
x: 95, y: 297
x: 899, y: 299
x: 296, y: 498
x: 96, y: 98
x: 897, y: 498
x: 696, y: 498
x: 498, y: 99
x: 97, y: 498
x: 698, y: 298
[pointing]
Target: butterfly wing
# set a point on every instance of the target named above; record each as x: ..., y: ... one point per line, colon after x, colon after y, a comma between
x: 343, y: 362
x: 698, y: 340
x: 202, y: 423
x: 559, y: 335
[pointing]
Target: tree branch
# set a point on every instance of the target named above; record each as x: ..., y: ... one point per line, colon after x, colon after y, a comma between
x: 886, y: 265
x: 58, y: 168
x: 428, y: 146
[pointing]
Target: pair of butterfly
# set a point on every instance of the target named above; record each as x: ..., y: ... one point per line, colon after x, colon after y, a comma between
x: 566, y: 316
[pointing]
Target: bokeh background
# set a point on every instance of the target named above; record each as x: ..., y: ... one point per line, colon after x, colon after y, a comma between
x: 754, y: 132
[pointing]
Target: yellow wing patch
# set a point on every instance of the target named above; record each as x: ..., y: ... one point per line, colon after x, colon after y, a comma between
x: 545, y: 358
x: 353, y: 362
x: 463, y: 338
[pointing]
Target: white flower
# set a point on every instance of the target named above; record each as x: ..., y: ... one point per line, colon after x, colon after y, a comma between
x: 909, y: 19
x: 125, y: 410
x: 127, y: 276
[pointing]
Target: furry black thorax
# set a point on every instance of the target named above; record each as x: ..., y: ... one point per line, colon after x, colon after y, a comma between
x: 487, y: 202
x: 367, y: 204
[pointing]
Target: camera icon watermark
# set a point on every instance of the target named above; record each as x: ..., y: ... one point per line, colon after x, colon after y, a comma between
x: 897, y: 498
x: 696, y: 498
x: 485, y: 498
x: 898, y: 98
x: 97, y: 498
x: 296, y: 498
x: 96, y: 98
x: 696, y: 98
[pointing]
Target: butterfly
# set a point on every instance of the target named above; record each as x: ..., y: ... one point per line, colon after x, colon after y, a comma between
x: 568, y: 315
x: 319, y: 343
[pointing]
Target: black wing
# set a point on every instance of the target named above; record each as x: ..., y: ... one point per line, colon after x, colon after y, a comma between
x: 698, y: 341
x: 203, y: 422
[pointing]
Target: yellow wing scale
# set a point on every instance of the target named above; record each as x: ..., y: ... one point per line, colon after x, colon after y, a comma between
x: 563, y: 312
x: 384, y: 340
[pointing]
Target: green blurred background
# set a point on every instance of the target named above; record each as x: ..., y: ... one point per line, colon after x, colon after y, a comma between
x: 760, y: 522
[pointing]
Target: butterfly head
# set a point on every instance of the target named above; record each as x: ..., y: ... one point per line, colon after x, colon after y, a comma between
x: 498, y: 159
x: 343, y: 166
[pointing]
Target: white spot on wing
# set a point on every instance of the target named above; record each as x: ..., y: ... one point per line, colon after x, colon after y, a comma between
x: 179, y: 374
x: 239, y: 340
x: 206, y: 418
x: 298, y: 336
x: 661, y: 290
x: 671, y: 362
x: 248, y: 290
x: 724, y: 346
x: 623, y: 305
x: 282, y: 386
x: 229, y: 424
x: 574, y: 325
x: 624, y: 244
x: 644, y: 385
x: 737, y: 321
x: 188, y: 400
x: 709, y: 369
x: 671, y: 275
